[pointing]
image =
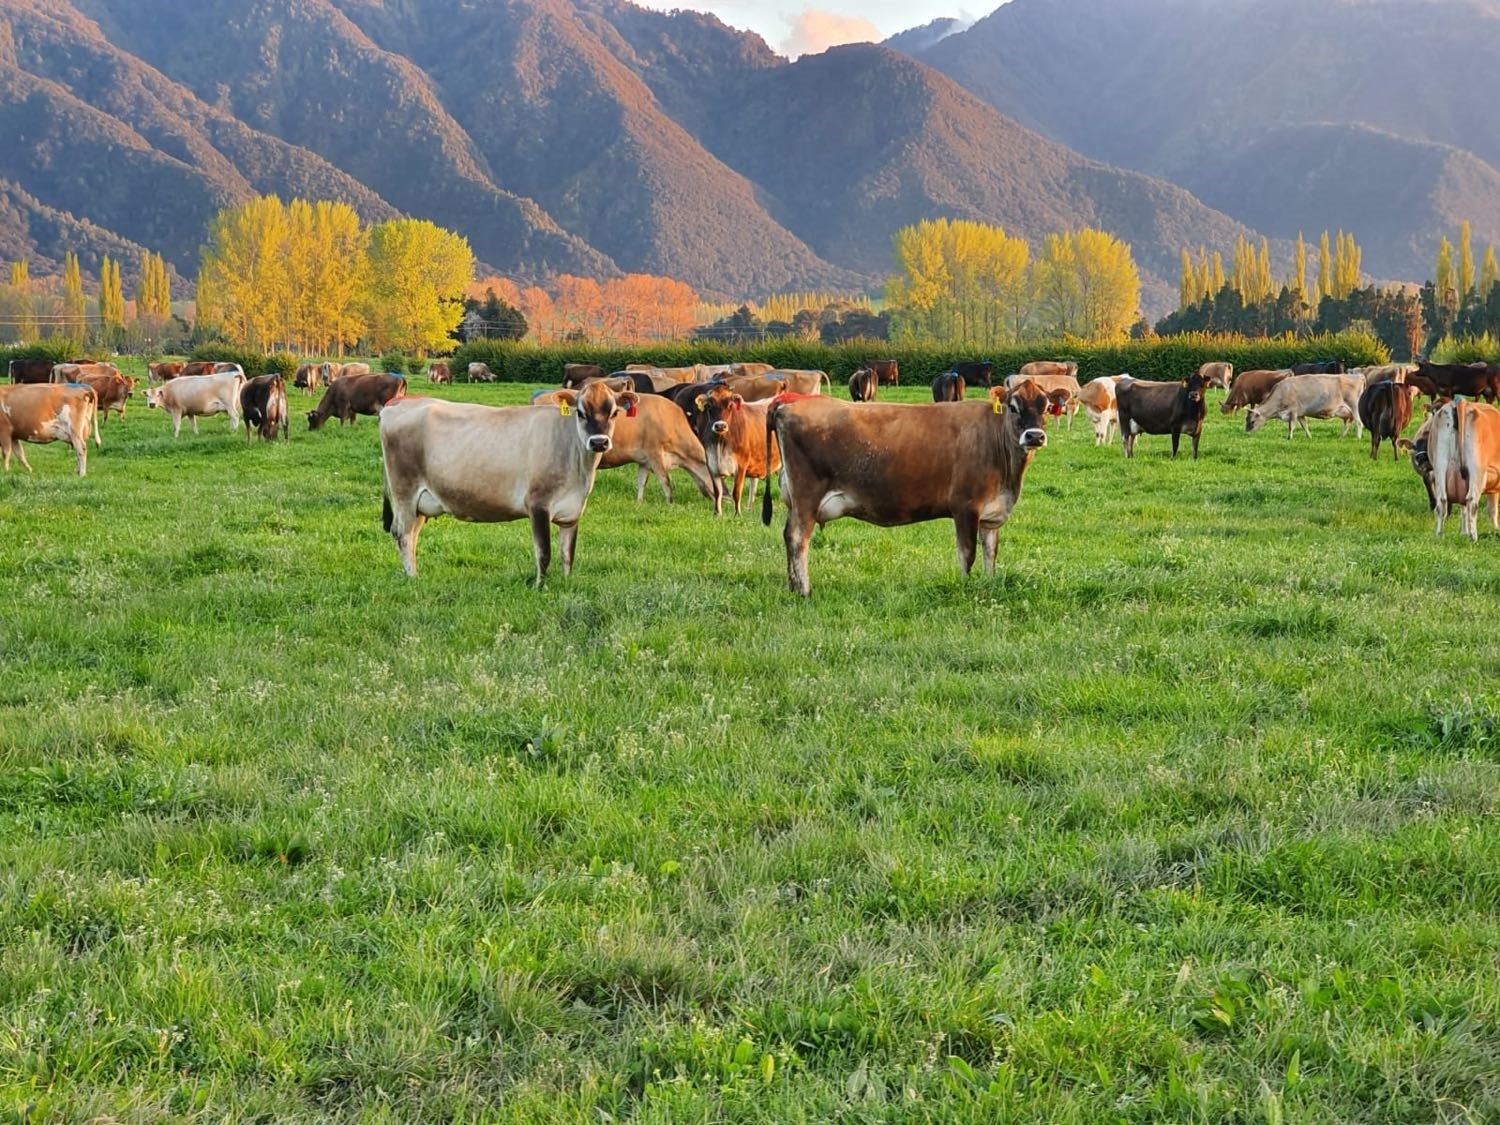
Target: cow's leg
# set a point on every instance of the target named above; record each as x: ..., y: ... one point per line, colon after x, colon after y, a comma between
x: 966, y: 531
x: 1176, y: 438
x: 21, y: 453
x: 1495, y: 511
x: 406, y: 528
x: 1197, y: 434
x: 718, y: 496
x: 80, y: 445
x: 701, y: 477
x: 541, y: 541
x: 989, y: 539
x: 739, y: 488
x: 1308, y: 432
x: 798, y: 533
x: 567, y: 539
x: 195, y: 424
x: 98, y: 441
x: 1440, y: 508
x: 1374, y: 445
x: 750, y: 500
x: 641, y: 473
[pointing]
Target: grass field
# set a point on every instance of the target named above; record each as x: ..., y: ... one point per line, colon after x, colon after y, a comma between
x: 1189, y: 814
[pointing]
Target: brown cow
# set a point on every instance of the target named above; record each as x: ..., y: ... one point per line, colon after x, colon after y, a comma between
x: 263, y: 407
x: 887, y: 371
x: 46, y: 413
x: 652, y: 434
x: 1464, y: 446
x: 1217, y: 374
x: 949, y: 387
x: 208, y: 367
x: 349, y: 395
x: 1052, y: 378
x: 1251, y: 388
x: 72, y: 372
x: 438, y: 372
x: 31, y: 370
x: 1385, y: 409
x: 577, y: 374
x: 1039, y: 370
x: 751, y: 368
x: 166, y: 369
x: 110, y: 393
x: 803, y: 381
x: 757, y: 388
x: 734, y: 437
x: 890, y: 464
x: 862, y: 385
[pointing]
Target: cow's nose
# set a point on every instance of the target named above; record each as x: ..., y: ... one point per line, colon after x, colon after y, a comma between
x: 1033, y: 439
x: 599, y: 443
x: 721, y: 427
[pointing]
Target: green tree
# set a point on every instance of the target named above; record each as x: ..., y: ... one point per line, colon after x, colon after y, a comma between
x: 415, y: 288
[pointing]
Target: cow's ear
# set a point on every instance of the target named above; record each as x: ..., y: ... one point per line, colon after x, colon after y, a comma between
x: 569, y: 397
x: 701, y: 401
x: 736, y: 401
x: 626, y: 400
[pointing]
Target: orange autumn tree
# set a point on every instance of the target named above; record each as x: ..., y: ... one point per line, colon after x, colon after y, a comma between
x: 631, y: 309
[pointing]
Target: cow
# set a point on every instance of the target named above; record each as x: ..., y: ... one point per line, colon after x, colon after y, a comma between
x: 756, y: 388
x: 1319, y: 367
x: 577, y: 374
x: 888, y: 371
x: 1098, y: 398
x: 1310, y: 396
x: 209, y: 367
x: 685, y: 397
x: 1385, y: 410
x: 652, y: 434
x: 351, y: 395
x: 1146, y: 407
x: 31, y: 371
x: 1464, y: 447
x: 892, y: 464
x: 1395, y: 372
x: 72, y: 372
x: 735, y: 439
x: 1250, y: 388
x: 263, y: 407
x: 44, y: 413
x: 481, y: 373
x: 163, y: 371
x: 1052, y: 377
x: 1449, y: 379
x: 801, y: 381
x: 1217, y: 373
x: 493, y: 464
x: 669, y: 374
x: 199, y: 396
x: 1421, y: 463
x: 949, y: 387
x: 344, y: 370
x: 862, y: 385
x: 977, y: 373
x: 110, y: 393
x: 437, y: 372
x: 311, y: 376
x: 751, y: 368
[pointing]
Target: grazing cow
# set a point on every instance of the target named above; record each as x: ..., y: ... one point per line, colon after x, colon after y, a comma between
x: 263, y: 407
x: 350, y: 395
x: 652, y: 434
x: 1319, y: 367
x: 1040, y: 369
x: 209, y: 367
x: 492, y: 464
x: 72, y: 372
x: 1252, y: 388
x: 1464, y: 447
x: 735, y: 439
x: 862, y: 385
x: 437, y: 372
x: 163, y: 371
x: 577, y: 374
x: 31, y: 370
x: 1421, y: 463
x: 888, y: 371
x: 1477, y: 380
x: 891, y: 464
x: 1147, y: 407
x: 1098, y: 398
x: 1395, y: 372
x: 1217, y: 373
x: 481, y: 373
x: 1310, y: 396
x: 311, y: 376
x: 42, y: 414
x: 199, y: 396
x: 949, y: 387
x: 1052, y: 377
x: 1385, y: 410
x: 110, y: 393
x: 800, y: 381
x: 978, y: 373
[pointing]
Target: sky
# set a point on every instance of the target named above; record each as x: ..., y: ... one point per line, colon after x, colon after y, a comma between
x: 794, y: 29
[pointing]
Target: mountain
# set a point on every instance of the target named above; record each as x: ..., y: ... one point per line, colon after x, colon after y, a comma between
x: 916, y: 39
x: 30, y: 229
x: 1217, y: 95
x: 581, y: 136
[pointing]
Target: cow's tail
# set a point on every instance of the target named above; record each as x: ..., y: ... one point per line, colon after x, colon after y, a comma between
x: 1463, y: 452
x: 387, y: 514
x: 765, y: 502
x: 826, y: 381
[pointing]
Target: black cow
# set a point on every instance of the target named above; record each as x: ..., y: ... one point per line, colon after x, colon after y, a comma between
x: 31, y: 371
x: 948, y: 387
x: 1319, y: 367
x: 977, y: 373
x: 1385, y: 410
x: 1478, y: 380
x: 1161, y: 408
x: 862, y: 385
x: 263, y: 407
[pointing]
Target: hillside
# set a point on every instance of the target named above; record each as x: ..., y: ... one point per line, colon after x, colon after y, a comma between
x: 583, y: 136
x: 1214, y: 96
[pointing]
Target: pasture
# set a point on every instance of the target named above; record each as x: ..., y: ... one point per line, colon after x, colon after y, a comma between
x: 1188, y: 814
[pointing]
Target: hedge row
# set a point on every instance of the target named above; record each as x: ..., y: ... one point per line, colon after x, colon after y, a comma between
x: 1166, y: 358
x: 56, y: 349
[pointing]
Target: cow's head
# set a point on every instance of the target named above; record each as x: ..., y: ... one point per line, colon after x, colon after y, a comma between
x: 315, y: 419
x: 153, y: 397
x: 1196, y: 384
x: 716, y: 406
x: 596, y: 407
x: 1254, y: 419
x: 1026, y: 406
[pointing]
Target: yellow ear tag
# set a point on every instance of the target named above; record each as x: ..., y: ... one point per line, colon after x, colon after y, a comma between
x: 564, y: 409
x: 701, y: 401
x: 996, y: 405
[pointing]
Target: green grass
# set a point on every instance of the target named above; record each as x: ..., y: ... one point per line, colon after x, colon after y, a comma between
x: 1189, y: 814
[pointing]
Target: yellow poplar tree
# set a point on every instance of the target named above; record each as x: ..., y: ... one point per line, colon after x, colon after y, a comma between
x: 417, y: 276
x: 244, y: 283
x: 1346, y: 265
x: 1299, y: 270
x: 1087, y: 285
x: 1465, y: 260
x: 20, y: 281
x: 959, y: 280
x: 1325, y: 269
x: 1489, y: 273
x: 1188, y: 285
x: 340, y: 248
x: 111, y: 295
x: 74, y: 308
x: 1442, y: 278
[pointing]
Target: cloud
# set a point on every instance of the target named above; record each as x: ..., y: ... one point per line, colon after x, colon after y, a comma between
x: 814, y: 30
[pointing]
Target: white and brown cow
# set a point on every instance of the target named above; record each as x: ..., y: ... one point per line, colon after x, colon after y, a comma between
x: 493, y: 464
x: 42, y: 413
x: 1464, y: 447
x: 1098, y: 398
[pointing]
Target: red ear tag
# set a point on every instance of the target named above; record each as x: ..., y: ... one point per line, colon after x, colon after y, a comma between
x: 630, y: 413
x: 738, y: 405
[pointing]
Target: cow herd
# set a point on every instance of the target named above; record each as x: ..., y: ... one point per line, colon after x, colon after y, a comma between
x: 727, y: 426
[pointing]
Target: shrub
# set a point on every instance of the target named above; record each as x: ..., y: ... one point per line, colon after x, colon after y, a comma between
x: 416, y: 367
x: 1164, y: 358
x: 392, y: 362
x: 281, y: 363
x: 58, y: 350
x: 1467, y: 349
x: 252, y: 362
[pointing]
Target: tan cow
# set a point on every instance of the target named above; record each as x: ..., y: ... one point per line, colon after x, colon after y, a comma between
x: 492, y: 464
x: 110, y: 393
x: 654, y: 435
x: 1302, y: 397
x: 1251, y: 388
x: 1217, y: 373
x: 42, y: 413
x: 751, y: 368
x: 802, y: 381
x: 480, y: 373
x: 75, y: 372
x: 757, y: 388
x: 892, y: 464
x: 199, y: 396
x: 1098, y: 398
x: 734, y: 437
x: 669, y: 374
x: 1464, y: 446
x: 1052, y: 378
x: 1040, y: 369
